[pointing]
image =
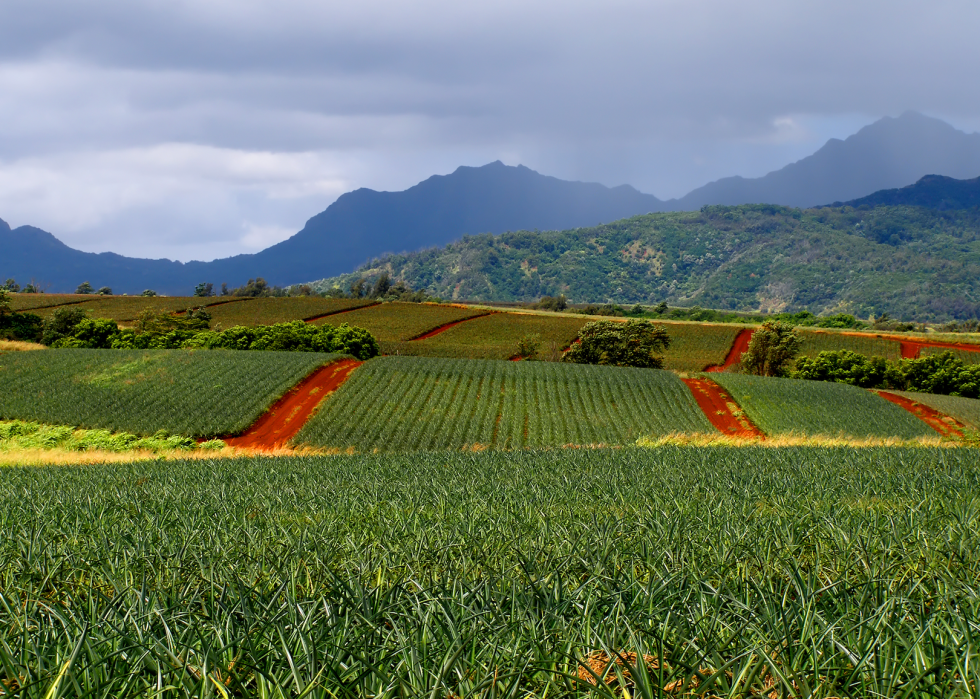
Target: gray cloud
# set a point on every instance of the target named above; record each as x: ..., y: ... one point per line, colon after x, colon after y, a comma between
x: 206, y: 128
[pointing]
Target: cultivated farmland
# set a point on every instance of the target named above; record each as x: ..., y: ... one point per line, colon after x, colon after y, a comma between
x: 496, y: 336
x: 817, y: 341
x: 391, y: 322
x: 823, y: 572
x: 792, y: 406
x: 415, y: 403
x: 195, y: 394
x: 269, y: 311
x: 125, y: 309
x: 966, y: 410
x: 694, y: 347
x: 965, y: 356
x: 32, y: 302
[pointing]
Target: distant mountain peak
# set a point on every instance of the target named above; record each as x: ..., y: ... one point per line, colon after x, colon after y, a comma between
x: 4, y: 226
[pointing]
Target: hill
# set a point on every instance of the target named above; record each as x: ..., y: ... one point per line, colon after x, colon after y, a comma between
x: 905, y: 261
x: 931, y: 192
x: 891, y: 152
x: 358, y: 226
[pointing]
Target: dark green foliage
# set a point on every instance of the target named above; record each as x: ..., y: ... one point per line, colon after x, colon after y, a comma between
x: 942, y: 373
x: 552, y: 303
x: 635, y: 343
x: 204, y: 289
x: 4, y: 302
x: 84, y: 288
x: 27, y: 327
x: 188, y: 393
x: 149, y: 293
x: 11, y: 285
x: 851, y: 571
x: 295, y: 336
x: 61, y: 324
x: 256, y: 288
x: 772, y: 349
x: 104, y: 291
x: 915, y: 264
x: 529, y: 346
x: 90, y: 333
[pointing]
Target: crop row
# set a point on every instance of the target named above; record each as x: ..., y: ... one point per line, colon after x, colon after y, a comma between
x: 817, y: 341
x: 396, y: 321
x: 195, y: 394
x: 804, y: 572
x: 269, y: 311
x: 415, y: 403
x: 793, y: 406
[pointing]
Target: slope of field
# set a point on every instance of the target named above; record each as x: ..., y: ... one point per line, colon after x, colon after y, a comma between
x: 393, y: 322
x: 694, y: 347
x: 195, y: 394
x: 817, y: 341
x: 31, y: 302
x: 964, y: 355
x: 479, y: 575
x: 125, y: 309
x: 496, y: 336
x: 416, y: 403
x: 791, y: 406
x: 966, y: 410
x: 269, y: 311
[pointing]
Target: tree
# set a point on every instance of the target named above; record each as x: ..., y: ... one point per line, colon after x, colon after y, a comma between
x: 148, y: 293
x: 204, y: 289
x: 84, y: 288
x: 104, y: 291
x: 636, y: 343
x: 772, y: 349
x: 357, y: 289
x: 4, y: 302
x: 528, y: 346
x: 660, y: 308
x: 61, y: 324
x: 381, y: 286
x: 11, y: 285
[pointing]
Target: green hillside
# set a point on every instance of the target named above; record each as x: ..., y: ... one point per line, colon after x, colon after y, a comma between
x: 909, y: 262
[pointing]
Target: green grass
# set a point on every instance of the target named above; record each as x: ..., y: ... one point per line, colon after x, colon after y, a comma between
x: 269, y: 311
x: 416, y: 403
x: 495, y: 337
x: 792, y: 406
x: 846, y: 572
x: 17, y: 434
x: 396, y: 321
x: 966, y: 410
x: 817, y: 341
x: 195, y: 394
x: 695, y: 347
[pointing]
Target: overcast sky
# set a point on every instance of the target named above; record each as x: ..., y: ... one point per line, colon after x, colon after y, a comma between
x: 195, y: 129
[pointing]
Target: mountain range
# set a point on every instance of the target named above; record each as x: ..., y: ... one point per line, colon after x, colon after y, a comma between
x: 364, y: 224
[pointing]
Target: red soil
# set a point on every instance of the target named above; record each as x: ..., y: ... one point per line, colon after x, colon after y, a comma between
x: 336, y: 313
x: 444, y: 328
x: 285, y: 418
x: 911, y: 348
x: 739, y: 346
x: 714, y: 401
x: 943, y: 424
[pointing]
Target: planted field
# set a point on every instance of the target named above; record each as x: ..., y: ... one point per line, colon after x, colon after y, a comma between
x: 31, y: 302
x: 496, y: 337
x: 965, y: 356
x: 269, y: 311
x: 966, y: 410
x: 694, y: 347
x: 791, y: 406
x: 415, y: 403
x: 391, y: 322
x: 195, y: 394
x: 805, y: 572
x: 125, y: 309
x: 817, y: 341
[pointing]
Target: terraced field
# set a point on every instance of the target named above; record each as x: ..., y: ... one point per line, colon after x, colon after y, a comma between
x: 269, y: 311
x: 195, y: 394
x: 394, y: 322
x: 414, y: 403
x: 817, y: 572
x: 817, y: 341
x: 791, y: 406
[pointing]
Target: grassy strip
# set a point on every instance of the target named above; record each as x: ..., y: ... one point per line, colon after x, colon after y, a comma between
x: 795, y: 407
x: 18, y: 434
x: 807, y: 571
x: 17, y: 346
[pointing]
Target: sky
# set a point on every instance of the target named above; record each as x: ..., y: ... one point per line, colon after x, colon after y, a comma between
x: 196, y: 129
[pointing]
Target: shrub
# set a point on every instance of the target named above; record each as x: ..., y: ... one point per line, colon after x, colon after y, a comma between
x: 636, y: 343
x: 528, y: 346
x: 849, y: 367
x: 61, y: 324
x: 772, y: 349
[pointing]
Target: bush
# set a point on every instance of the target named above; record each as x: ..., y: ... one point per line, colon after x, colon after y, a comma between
x: 528, y: 346
x: 61, y: 324
x: 636, y: 343
x: 772, y: 349
x: 84, y: 288
x: 296, y: 336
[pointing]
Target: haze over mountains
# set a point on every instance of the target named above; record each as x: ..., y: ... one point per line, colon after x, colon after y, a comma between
x: 495, y: 198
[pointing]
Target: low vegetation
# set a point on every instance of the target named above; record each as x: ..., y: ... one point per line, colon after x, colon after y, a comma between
x: 407, y: 403
x: 18, y: 434
x: 391, y: 322
x: 194, y: 394
x: 269, y: 311
x: 791, y: 406
x: 800, y: 572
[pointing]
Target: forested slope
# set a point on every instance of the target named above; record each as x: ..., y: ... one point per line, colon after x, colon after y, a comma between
x: 909, y: 262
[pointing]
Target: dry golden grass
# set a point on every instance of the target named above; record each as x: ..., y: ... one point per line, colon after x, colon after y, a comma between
x: 65, y: 457
x: 17, y: 346
x: 795, y: 440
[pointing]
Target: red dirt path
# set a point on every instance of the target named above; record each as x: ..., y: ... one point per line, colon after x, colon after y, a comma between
x: 337, y: 313
x: 943, y: 424
x: 285, y: 418
x: 444, y: 328
x: 714, y: 402
x: 911, y: 348
x: 739, y: 346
